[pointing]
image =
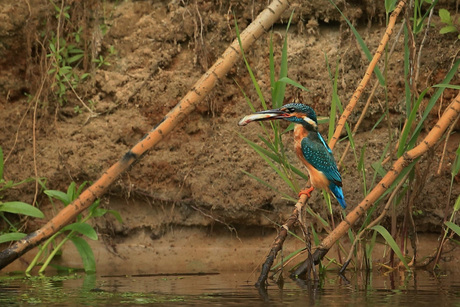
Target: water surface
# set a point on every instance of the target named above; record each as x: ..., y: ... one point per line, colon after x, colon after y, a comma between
x: 421, y: 288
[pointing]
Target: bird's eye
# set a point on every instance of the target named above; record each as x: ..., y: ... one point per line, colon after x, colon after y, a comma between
x: 290, y: 110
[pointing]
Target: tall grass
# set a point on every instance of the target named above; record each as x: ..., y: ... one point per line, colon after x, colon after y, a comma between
x: 401, y: 193
x: 274, y: 153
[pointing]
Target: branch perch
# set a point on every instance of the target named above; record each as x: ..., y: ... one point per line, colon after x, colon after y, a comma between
x: 201, y: 88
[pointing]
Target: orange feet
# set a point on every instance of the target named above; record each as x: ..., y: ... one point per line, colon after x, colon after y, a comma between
x: 306, y: 192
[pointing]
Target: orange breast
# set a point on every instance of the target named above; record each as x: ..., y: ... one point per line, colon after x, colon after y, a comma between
x: 317, y: 178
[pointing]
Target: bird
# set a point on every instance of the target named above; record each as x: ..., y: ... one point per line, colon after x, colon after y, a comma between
x: 309, y: 146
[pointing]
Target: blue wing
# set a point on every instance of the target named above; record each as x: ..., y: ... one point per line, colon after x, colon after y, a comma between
x: 319, y: 155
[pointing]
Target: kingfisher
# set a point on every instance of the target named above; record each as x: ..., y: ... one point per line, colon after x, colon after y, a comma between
x: 309, y: 146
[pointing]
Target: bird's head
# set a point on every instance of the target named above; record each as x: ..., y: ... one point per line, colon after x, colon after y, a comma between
x: 294, y: 112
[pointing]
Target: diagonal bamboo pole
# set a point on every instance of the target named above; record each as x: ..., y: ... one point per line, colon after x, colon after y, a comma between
x: 202, y: 87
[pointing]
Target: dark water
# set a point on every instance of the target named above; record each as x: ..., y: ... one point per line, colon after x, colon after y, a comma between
x: 397, y: 289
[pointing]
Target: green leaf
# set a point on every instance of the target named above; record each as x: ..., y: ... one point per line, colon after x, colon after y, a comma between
x: 457, y: 204
x: 448, y: 29
x: 315, y: 235
x: 419, y: 23
x: 269, y: 186
x: 391, y: 242
x: 19, y: 207
x: 454, y: 227
x: 59, y: 196
x: 116, y: 214
x: 74, y: 50
x: 280, y: 87
x: 8, y: 237
x: 456, y: 164
x: 294, y: 253
x: 378, y: 168
x: 82, y: 228
x: 97, y: 212
x: 74, y: 58
x: 390, y: 5
x: 410, y: 120
x: 292, y: 82
x: 86, y: 254
x: 335, y: 101
x: 445, y: 16
x: 455, y: 87
x: 52, y: 47
x: 71, y: 191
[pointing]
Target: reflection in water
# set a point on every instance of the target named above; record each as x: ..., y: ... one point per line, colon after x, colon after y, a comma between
x: 397, y: 289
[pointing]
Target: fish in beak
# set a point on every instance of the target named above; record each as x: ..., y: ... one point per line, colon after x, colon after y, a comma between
x: 263, y: 115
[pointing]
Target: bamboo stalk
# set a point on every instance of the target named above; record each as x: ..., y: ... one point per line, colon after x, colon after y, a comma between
x: 201, y: 88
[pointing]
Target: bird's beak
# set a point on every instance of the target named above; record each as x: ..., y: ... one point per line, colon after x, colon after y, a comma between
x: 263, y: 115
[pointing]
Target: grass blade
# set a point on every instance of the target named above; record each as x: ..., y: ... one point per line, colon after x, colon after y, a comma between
x: 362, y: 167
x: 455, y: 87
x: 293, y: 83
x: 391, y: 242
x: 86, y: 254
x: 362, y: 44
x: 82, y: 228
x: 432, y: 102
x: 269, y: 186
x: 248, y: 67
x: 407, y: 70
x: 454, y: 227
x: 273, y: 156
x: 14, y: 236
x: 402, y: 141
x: 280, y: 87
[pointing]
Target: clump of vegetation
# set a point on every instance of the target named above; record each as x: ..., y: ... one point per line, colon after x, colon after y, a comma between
x: 451, y: 25
x: 404, y: 190
x: 12, y: 231
x: 73, y: 232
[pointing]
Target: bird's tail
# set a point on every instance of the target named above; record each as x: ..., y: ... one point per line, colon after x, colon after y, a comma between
x: 338, y: 193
